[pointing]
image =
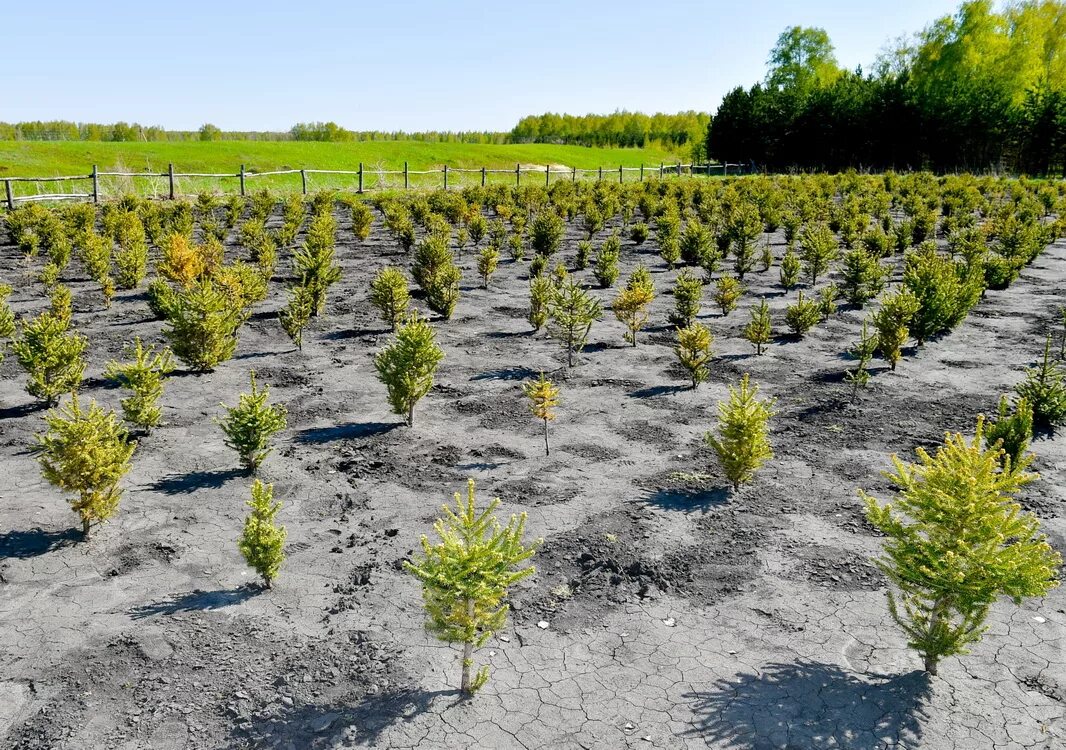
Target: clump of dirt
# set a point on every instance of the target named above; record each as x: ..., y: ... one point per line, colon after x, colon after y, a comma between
x: 212, y: 681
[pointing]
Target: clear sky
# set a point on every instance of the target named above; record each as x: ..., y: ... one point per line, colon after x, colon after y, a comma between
x: 416, y: 65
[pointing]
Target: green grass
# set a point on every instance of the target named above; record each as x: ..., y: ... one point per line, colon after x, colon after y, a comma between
x: 48, y: 159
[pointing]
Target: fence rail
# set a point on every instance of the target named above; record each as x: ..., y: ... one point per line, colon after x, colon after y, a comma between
x: 97, y: 194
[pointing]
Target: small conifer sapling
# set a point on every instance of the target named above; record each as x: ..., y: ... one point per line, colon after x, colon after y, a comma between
x: 956, y: 543
x: 863, y: 352
x: 86, y: 452
x: 144, y: 375
x: 1011, y: 432
x: 572, y: 311
x: 543, y: 397
x: 693, y: 351
x: 466, y: 577
x: 250, y: 425
x: 296, y: 314
x: 743, y: 444
x: 1044, y: 388
x: 390, y: 295
x: 759, y: 331
x: 262, y: 542
x: 407, y: 366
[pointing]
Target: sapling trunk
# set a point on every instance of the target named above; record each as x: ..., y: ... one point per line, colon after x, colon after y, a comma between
x: 931, y: 663
x: 84, y: 529
x: 468, y: 654
x: 547, y: 451
x: 411, y: 415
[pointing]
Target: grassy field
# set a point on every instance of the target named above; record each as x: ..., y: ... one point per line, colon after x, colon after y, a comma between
x: 48, y: 159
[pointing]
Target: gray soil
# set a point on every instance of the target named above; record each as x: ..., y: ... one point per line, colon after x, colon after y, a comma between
x: 665, y: 612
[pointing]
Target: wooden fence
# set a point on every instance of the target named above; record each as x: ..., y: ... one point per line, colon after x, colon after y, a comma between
x: 244, y: 176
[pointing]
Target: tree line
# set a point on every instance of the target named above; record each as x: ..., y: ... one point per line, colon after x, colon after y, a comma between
x: 620, y: 129
x: 977, y: 90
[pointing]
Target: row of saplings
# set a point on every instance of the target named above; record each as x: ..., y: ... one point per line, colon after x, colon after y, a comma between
x: 957, y: 541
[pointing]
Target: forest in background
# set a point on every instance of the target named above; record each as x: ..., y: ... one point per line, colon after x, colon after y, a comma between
x: 979, y: 90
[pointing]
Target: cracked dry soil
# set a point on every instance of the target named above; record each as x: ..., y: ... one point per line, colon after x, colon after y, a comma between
x: 678, y: 615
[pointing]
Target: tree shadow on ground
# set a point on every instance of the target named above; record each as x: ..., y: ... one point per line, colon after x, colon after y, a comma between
x: 33, y: 542
x: 344, y: 431
x: 810, y: 704
x: 688, y: 500
x: 658, y: 390
x: 508, y: 334
x: 507, y: 373
x: 183, y: 484
x: 23, y: 410
x: 196, y: 601
x: 318, y: 726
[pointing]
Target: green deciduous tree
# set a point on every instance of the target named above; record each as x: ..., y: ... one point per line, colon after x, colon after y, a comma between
x: 743, y: 445
x: 407, y: 366
x: 144, y: 375
x: 466, y: 577
x: 262, y: 542
x: 87, y: 453
x: 250, y: 425
x: 957, y: 542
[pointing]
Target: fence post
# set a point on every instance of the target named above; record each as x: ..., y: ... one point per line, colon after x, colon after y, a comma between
x: 619, y: 174
x: 547, y: 174
x: 406, y: 178
x: 725, y: 169
x: 642, y: 171
x: 360, y: 177
x: 303, y: 180
x: 660, y: 170
x: 170, y: 175
x: 573, y: 174
x: 96, y: 185
x: 679, y: 169
x: 445, y: 176
x: 600, y: 178
x: 242, y: 180
x: 518, y: 175
x: 482, y: 177
x: 10, y: 197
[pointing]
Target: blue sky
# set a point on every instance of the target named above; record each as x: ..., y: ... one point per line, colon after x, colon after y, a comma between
x: 412, y: 65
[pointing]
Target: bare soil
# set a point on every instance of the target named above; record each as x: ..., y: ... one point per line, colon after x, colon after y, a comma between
x: 666, y: 611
